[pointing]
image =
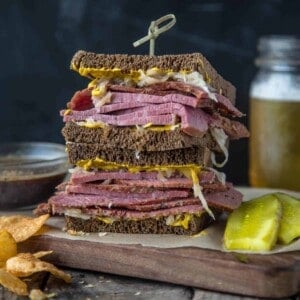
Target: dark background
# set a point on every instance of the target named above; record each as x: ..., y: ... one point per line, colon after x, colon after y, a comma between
x: 39, y: 37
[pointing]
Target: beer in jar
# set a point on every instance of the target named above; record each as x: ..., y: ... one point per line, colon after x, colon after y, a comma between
x: 275, y: 114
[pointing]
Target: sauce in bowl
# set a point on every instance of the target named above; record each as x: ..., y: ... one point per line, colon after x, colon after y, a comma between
x: 29, y: 172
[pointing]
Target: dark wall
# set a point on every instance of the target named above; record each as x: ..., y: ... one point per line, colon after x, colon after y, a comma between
x: 38, y: 39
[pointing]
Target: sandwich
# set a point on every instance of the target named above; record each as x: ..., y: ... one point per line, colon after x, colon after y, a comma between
x: 145, y: 138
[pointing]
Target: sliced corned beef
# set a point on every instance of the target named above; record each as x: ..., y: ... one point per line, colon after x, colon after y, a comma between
x: 155, y: 89
x: 81, y: 100
x: 114, y: 198
x: 197, y: 92
x: 80, y: 176
x: 234, y: 129
x: 127, y: 98
x: 194, y: 122
x: 138, y: 215
x: 164, y: 204
x: 223, y: 200
x: 96, y: 189
x: 84, y: 176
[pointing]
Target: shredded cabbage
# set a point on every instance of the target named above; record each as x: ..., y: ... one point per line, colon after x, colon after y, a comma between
x: 100, y: 96
x: 160, y: 176
x: 198, y: 193
x: 106, y: 181
x: 170, y: 220
x: 99, y: 92
x: 139, y: 128
x: 220, y: 175
x: 91, y: 123
x: 151, y: 77
x: 196, y: 79
x: 106, y: 99
x: 168, y: 173
x: 76, y: 170
x: 76, y: 213
x: 137, y: 155
x: 221, y: 138
x: 147, y: 125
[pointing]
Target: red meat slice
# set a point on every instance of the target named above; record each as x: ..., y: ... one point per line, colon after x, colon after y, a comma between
x: 81, y: 100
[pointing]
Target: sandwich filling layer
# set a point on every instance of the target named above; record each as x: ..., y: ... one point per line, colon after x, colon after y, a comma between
x: 114, y: 195
x: 183, y: 63
x: 143, y: 137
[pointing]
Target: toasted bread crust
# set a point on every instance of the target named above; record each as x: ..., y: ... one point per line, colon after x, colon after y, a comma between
x: 141, y: 140
x: 127, y: 63
x: 192, y: 155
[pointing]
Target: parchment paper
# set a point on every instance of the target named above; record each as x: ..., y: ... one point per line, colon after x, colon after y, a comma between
x: 210, y: 238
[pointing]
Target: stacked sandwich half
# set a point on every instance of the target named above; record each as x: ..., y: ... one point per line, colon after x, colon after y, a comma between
x: 144, y: 138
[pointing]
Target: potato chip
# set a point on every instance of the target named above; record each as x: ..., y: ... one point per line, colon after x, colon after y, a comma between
x: 36, y: 294
x: 41, y: 253
x: 8, y: 247
x: 25, y: 264
x: 13, y: 283
x: 22, y: 227
x: 44, y: 229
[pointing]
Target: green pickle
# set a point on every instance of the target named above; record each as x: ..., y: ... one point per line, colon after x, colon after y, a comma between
x: 254, y: 225
x: 290, y: 222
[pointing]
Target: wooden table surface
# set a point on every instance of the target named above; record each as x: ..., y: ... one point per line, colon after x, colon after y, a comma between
x: 94, y: 285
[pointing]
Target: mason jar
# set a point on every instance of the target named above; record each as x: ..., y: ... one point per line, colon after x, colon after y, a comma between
x: 275, y: 114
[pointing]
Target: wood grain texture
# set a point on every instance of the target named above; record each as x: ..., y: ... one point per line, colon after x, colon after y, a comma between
x: 272, y: 276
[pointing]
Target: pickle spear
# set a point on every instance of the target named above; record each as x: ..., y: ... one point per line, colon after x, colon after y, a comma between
x: 254, y: 225
x: 289, y: 228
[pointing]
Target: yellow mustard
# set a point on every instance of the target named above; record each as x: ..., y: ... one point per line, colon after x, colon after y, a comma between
x: 157, y: 128
x: 134, y: 75
x: 189, y: 170
x: 106, y: 220
x: 182, y: 220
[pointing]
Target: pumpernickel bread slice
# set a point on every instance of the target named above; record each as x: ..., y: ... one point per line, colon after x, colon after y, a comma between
x: 192, y: 155
x: 127, y: 63
x: 112, y: 137
x: 145, y: 226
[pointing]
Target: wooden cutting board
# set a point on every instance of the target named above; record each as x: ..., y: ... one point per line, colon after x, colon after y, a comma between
x: 273, y: 276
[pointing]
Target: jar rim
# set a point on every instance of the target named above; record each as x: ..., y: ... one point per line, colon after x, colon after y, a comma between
x: 279, y: 42
x: 278, y: 50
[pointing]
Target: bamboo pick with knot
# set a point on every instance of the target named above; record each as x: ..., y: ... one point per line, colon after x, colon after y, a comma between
x: 154, y: 31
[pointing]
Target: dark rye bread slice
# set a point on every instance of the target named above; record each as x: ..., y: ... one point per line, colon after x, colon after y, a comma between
x: 192, y: 155
x: 146, y: 226
x: 136, y: 139
x: 179, y: 62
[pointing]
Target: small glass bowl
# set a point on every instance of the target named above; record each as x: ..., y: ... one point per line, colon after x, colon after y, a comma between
x: 29, y: 172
